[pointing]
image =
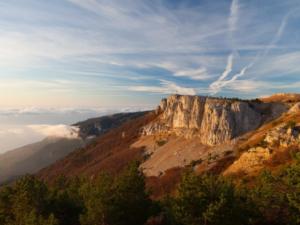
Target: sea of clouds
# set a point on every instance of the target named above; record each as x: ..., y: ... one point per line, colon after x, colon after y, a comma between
x: 22, y: 126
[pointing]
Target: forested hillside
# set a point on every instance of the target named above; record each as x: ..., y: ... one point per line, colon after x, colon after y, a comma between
x: 272, y: 198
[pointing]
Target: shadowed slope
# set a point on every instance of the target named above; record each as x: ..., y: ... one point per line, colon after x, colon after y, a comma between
x: 110, y: 152
x: 100, y: 125
x: 31, y: 158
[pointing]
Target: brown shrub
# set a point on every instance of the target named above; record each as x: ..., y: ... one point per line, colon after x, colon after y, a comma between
x: 159, y: 186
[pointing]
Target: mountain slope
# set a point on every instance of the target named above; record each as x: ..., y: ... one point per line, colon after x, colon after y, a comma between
x: 202, y: 131
x: 205, y: 133
x: 282, y: 97
x: 271, y: 146
x: 109, y: 152
x: 31, y: 158
x: 100, y: 125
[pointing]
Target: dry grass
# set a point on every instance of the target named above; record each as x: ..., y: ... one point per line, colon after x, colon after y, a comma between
x: 282, y: 156
x: 287, y: 98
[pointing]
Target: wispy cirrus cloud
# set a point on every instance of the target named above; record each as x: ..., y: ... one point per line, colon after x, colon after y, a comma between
x: 217, y: 85
x: 232, y: 24
x: 165, y: 87
x: 233, y: 18
x: 194, y: 74
x: 221, y: 83
x: 114, y: 44
x: 279, y: 65
x: 267, y: 48
x: 67, y: 60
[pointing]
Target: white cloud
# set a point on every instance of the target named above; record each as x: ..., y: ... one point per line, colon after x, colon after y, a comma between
x: 14, y: 136
x: 12, y: 131
x: 69, y: 111
x: 279, y: 64
x: 221, y: 82
x: 257, y: 86
x: 233, y: 18
x: 217, y: 85
x: 276, y: 38
x: 228, y: 68
x: 118, y: 27
x: 166, y: 87
x: 247, y: 86
x: 279, y: 31
x: 92, y: 35
x: 60, y: 131
x: 194, y: 74
x: 179, y: 66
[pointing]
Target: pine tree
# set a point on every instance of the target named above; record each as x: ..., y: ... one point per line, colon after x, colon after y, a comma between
x: 119, y: 201
x: 209, y: 200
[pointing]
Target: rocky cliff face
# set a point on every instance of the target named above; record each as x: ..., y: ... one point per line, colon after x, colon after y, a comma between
x: 212, y: 120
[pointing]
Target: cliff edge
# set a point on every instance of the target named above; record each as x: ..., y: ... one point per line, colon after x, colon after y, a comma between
x: 213, y: 120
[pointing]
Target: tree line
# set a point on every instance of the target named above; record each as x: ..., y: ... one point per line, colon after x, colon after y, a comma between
x: 272, y: 198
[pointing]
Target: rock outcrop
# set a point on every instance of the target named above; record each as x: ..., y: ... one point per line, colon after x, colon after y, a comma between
x: 250, y: 162
x: 275, y: 148
x: 213, y: 120
x: 284, y: 136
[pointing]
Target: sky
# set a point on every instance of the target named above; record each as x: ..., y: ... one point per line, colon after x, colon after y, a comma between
x: 79, y: 55
x: 98, y: 53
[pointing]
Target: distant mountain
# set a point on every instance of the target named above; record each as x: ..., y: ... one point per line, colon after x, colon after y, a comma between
x: 221, y: 135
x: 31, y: 158
x: 109, y: 152
x: 100, y: 125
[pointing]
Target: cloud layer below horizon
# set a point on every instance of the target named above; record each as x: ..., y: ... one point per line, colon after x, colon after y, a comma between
x: 66, y: 53
x: 22, y: 126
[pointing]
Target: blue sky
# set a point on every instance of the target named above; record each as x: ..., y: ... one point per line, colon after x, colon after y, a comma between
x: 115, y: 53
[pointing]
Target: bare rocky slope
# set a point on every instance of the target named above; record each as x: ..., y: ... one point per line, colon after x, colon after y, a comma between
x: 271, y: 146
x: 202, y: 131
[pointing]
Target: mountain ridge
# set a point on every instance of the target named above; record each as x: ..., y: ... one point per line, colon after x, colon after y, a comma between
x: 213, y: 120
x: 163, y: 150
x: 31, y: 158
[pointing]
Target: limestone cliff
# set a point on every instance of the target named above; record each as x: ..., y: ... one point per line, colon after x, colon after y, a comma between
x: 212, y: 120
